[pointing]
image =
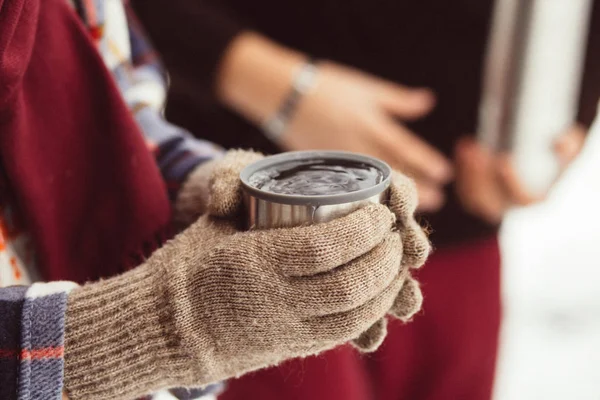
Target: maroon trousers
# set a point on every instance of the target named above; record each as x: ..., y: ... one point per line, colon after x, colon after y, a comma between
x: 447, y: 352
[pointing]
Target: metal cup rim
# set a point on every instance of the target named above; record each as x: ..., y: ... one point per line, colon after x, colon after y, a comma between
x: 312, y: 200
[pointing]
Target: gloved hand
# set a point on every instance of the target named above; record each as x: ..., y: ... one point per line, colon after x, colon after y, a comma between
x: 215, y: 187
x: 215, y: 302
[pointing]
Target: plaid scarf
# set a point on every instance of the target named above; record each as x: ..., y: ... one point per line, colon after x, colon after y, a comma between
x: 31, y: 355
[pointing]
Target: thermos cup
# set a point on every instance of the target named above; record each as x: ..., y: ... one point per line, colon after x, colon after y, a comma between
x: 307, y: 187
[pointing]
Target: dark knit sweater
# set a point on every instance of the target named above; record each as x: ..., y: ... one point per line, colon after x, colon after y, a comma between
x: 436, y: 44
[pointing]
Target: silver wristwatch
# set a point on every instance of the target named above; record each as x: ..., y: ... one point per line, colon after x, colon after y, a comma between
x: 304, y: 80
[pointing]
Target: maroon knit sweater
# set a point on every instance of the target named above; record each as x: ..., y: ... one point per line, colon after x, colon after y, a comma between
x: 436, y: 44
x: 73, y: 157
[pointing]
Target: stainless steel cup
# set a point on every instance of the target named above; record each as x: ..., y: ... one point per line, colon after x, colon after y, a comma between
x: 272, y: 210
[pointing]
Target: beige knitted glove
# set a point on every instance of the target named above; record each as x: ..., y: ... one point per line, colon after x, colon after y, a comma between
x: 215, y: 187
x: 214, y: 303
x: 221, y: 179
x: 416, y: 248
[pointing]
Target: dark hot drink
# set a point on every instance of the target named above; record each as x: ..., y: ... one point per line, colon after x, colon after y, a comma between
x: 320, y: 177
x: 310, y: 187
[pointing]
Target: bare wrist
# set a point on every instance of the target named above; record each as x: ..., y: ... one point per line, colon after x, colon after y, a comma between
x: 255, y: 76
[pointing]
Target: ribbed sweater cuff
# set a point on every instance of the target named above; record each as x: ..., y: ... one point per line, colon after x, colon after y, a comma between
x: 120, y: 341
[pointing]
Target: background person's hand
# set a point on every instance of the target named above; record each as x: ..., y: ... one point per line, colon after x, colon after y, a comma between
x: 346, y: 110
x: 487, y: 183
x: 354, y: 111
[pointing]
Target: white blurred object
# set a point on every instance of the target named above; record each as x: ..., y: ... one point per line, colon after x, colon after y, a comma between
x: 532, y: 81
x: 550, y: 347
x: 165, y: 395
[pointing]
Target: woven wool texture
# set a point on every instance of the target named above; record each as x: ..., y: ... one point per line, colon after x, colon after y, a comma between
x: 215, y: 302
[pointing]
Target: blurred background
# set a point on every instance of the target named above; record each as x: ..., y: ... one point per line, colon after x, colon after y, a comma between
x: 550, y: 340
x: 550, y: 336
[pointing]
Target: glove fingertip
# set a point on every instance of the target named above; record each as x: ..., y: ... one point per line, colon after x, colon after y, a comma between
x: 403, y: 202
x: 403, y: 196
x: 372, y: 338
x: 408, y: 302
x: 225, y: 201
x: 225, y: 184
x: 416, y: 244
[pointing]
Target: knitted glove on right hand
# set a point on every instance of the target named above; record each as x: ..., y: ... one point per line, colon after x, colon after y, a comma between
x: 221, y: 180
x: 215, y: 303
x: 416, y: 248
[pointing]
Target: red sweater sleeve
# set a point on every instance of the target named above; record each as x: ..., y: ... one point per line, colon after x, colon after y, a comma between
x: 191, y: 37
x: 18, y: 23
